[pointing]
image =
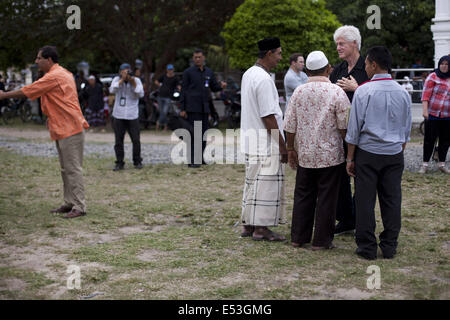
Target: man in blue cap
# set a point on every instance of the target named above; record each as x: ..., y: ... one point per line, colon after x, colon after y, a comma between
x: 167, y: 84
x: 128, y: 89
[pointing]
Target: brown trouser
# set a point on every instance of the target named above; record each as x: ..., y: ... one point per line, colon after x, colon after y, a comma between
x: 315, y: 201
x: 70, y: 152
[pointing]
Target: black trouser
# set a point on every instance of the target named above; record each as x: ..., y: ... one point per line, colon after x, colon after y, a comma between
x: 132, y: 127
x: 315, y: 195
x: 436, y: 129
x: 192, y: 118
x: 380, y: 174
x: 345, y: 211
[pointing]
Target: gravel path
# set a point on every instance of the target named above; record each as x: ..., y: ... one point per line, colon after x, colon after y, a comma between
x: 160, y: 153
x: 152, y: 153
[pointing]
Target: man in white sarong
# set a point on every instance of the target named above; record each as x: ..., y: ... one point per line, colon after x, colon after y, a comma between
x: 263, y: 144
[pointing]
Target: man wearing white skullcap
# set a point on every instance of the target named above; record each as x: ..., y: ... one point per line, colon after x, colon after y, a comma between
x: 315, y: 123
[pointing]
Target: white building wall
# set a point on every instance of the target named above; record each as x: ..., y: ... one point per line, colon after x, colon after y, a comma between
x: 441, y: 30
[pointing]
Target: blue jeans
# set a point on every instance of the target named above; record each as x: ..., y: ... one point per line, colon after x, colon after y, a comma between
x: 164, y: 104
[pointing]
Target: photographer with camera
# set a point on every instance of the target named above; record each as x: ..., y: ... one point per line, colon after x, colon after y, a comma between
x: 127, y: 89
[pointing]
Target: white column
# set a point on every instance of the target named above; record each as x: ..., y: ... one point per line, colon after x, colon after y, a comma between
x: 441, y: 30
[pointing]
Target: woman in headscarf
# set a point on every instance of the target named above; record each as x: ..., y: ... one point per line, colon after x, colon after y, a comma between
x: 436, y: 111
x: 95, y: 114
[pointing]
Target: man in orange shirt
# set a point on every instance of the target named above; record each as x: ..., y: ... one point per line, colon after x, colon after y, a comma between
x: 65, y: 123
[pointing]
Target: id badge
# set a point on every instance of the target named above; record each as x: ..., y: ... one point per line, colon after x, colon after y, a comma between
x: 123, y: 101
x: 207, y: 82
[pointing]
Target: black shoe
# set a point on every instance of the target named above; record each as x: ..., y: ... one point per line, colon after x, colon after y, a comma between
x: 118, y: 167
x: 138, y: 166
x: 194, y: 165
x: 389, y: 255
x: 343, y: 228
x: 365, y: 255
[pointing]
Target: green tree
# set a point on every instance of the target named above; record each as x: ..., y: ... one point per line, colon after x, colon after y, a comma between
x: 405, y: 27
x: 17, y: 38
x: 302, y: 26
x: 111, y: 31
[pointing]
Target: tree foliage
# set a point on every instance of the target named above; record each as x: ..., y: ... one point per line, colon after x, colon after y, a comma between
x: 111, y: 31
x: 21, y: 32
x: 302, y: 26
x: 405, y: 27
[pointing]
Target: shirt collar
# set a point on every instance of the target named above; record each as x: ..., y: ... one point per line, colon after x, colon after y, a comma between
x: 293, y: 71
x: 54, y: 66
x: 318, y: 79
x: 381, y: 76
x: 361, y: 63
x: 262, y: 67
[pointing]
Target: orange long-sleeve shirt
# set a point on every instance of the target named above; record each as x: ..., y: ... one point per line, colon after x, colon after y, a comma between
x: 59, y: 100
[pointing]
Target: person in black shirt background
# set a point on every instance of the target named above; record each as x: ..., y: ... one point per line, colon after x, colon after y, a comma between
x: 167, y: 84
x: 2, y: 88
x: 198, y: 80
x: 348, y: 75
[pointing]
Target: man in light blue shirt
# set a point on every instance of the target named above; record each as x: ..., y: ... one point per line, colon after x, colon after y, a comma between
x: 294, y: 76
x: 127, y: 89
x: 378, y: 129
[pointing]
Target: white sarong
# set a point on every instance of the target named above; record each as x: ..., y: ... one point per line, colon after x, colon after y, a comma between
x: 264, y: 202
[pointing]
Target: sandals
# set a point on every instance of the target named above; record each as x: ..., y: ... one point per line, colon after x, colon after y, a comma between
x: 248, y: 232
x: 269, y: 236
x: 63, y: 209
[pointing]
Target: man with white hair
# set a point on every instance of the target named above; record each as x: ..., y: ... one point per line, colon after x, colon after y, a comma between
x: 348, y: 75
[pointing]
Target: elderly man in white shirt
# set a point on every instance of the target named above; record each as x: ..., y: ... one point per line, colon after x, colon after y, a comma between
x: 128, y: 89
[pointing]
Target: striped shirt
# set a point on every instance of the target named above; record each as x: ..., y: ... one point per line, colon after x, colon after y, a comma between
x: 437, y: 92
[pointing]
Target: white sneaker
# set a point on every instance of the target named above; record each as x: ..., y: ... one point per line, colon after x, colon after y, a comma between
x: 444, y: 170
x: 423, y: 169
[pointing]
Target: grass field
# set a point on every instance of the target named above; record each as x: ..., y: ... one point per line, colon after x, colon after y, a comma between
x: 169, y: 232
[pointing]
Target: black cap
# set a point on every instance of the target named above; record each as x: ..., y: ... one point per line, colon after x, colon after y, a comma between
x: 268, y: 44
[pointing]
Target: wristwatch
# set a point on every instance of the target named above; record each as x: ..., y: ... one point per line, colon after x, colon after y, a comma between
x: 349, y: 160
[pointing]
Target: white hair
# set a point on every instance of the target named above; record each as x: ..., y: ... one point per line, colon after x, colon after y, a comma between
x: 349, y: 33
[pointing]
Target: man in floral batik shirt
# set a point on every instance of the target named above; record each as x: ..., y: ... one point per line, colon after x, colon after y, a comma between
x: 316, y: 121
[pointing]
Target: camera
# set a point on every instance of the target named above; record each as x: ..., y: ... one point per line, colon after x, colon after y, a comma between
x: 130, y: 73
